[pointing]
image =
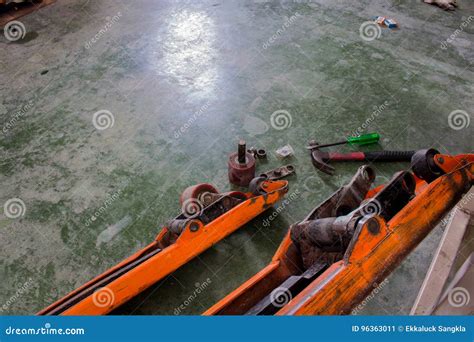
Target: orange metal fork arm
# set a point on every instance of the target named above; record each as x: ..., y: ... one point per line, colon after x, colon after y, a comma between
x: 349, y: 281
x: 124, y: 263
x: 189, y: 245
x: 449, y: 163
x: 369, y: 258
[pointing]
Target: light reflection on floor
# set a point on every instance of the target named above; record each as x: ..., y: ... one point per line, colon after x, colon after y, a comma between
x: 189, y: 50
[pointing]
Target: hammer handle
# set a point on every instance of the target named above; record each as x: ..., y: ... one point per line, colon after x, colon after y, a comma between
x: 389, y: 155
x: 383, y: 156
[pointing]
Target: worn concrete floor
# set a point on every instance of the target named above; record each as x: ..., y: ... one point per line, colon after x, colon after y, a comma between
x: 184, y: 80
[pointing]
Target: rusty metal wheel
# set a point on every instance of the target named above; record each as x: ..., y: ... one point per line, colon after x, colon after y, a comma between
x: 196, y: 197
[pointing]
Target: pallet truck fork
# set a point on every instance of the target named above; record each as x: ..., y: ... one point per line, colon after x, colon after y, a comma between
x: 329, y: 262
x: 207, y: 217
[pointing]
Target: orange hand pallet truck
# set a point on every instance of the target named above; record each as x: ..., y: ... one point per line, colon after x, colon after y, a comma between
x: 329, y: 262
x: 207, y: 217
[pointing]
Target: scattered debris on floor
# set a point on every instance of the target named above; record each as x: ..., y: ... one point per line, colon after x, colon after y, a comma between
x: 258, y: 153
x: 285, y: 151
x: 386, y: 22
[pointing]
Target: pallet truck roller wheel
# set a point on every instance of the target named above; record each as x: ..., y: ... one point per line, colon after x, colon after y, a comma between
x: 197, y: 192
x: 254, y: 186
x: 423, y: 165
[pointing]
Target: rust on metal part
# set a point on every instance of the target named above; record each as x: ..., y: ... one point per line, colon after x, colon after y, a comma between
x: 330, y: 260
x: 279, y: 172
x: 183, y: 238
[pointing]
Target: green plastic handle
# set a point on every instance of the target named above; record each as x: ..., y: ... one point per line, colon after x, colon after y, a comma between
x: 364, y: 139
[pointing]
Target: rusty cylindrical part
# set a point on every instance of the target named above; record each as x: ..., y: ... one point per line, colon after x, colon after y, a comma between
x: 241, y: 166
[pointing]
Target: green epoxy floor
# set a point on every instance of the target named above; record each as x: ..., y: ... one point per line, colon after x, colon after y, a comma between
x: 184, y: 81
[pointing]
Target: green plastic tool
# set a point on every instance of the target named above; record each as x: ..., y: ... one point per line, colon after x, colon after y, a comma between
x: 364, y: 139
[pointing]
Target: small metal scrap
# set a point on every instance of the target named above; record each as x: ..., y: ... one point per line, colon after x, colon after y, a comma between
x: 285, y: 151
x: 259, y: 153
x: 386, y: 22
x: 279, y: 172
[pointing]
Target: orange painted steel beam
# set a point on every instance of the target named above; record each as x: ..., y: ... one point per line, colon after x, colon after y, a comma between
x: 373, y: 257
x: 149, y: 265
x: 369, y: 258
x: 449, y: 163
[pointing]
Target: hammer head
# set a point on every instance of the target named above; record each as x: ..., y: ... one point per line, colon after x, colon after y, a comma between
x: 319, y: 159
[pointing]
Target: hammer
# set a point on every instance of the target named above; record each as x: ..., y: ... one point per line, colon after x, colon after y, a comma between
x: 320, y: 158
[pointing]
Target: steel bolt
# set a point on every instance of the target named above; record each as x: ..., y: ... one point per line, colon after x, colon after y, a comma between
x: 194, y: 226
x: 242, y: 152
x: 373, y: 226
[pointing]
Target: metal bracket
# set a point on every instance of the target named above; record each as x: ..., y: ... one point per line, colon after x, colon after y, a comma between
x: 279, y: 172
